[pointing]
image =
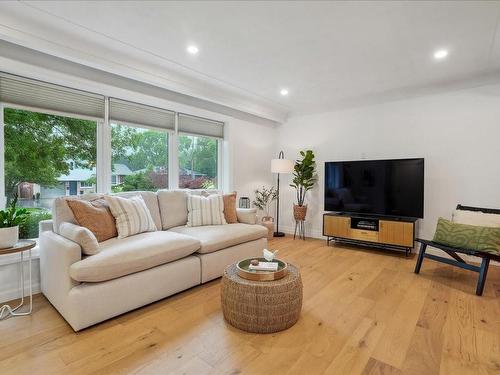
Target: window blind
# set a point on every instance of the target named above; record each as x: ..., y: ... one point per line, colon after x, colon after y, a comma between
x: 122, y: 111
x: 42, y: 96
x: 200, y: 126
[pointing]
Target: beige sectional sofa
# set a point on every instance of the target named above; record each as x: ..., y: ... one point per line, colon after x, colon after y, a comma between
x: 131, y: 272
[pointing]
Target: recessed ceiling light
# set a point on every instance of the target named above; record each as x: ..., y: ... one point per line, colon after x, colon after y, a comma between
x: 284, y: 92
x: 440, y: 54
x: 192, y: 49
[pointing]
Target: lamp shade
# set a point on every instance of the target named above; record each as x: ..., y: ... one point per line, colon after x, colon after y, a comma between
x: 281, y: 166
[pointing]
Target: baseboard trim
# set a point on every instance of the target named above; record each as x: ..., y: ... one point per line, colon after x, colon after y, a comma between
x: 15, y: 293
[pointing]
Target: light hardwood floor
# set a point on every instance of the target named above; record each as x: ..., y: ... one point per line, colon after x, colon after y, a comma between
x: 364, y: 312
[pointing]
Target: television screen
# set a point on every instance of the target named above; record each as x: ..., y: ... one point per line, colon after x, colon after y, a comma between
x: 376, y: 187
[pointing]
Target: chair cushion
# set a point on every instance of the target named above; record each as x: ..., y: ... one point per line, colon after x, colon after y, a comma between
x: 122, y: 256
x: 476, y: 218
x: 471, y: 237
x: 217, y: 237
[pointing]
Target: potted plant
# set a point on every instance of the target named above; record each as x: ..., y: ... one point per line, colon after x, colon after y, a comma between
x: 263, y: 199
x: 10, y: 219
x: 304, y: 178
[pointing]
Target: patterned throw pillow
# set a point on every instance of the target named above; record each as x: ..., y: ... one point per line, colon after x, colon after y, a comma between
x: 205, y: 210
x: 465, y: 236
x: 131, y: 215
x: 95, y: 216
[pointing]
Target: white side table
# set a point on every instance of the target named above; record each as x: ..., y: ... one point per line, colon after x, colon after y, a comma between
x: 20, y: 247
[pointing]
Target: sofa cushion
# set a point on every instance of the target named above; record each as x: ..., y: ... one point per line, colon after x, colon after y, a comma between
x: 230, y: 208
x: 173, y: 208
x: 122, y: 256
x: 217, y: 237
x: 151, y: 200
x: 82, y: 236
x: 61, y: 213
x: 95, y: 216
x: 205, y: 210
x: 131, y: 215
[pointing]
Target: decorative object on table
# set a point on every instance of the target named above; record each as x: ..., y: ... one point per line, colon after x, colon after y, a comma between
x: 278, y: 166
x: 304, y: 178
x: 20, y: 247
x: 244, y: 202
x: 466, y: 237
x: 269, y: 255
x: 10, y: 219
x: 263, y: 270
x: 261, y: 306
x: 263, y: 199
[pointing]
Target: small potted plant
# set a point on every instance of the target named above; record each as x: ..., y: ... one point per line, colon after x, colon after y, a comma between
x: 263, y: 199
x: 304, y: 178
x: 10, y: 219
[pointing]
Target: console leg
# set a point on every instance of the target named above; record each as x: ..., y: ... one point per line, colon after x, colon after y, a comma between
x: 420, y: 257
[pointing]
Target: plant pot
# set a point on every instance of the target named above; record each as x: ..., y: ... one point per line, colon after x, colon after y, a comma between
x: 299, y: 212
x: 8, y: 237
x: 268, y: 222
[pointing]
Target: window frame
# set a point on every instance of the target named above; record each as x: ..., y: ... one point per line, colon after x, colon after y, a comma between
x: 104, y: 147
x: 169, y: 133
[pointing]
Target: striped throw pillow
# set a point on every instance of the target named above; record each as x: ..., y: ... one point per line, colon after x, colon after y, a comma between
x: 131, y: 215
x: 205, y: 210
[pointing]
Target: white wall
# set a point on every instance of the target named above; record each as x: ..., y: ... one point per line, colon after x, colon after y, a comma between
x: 457, y: 133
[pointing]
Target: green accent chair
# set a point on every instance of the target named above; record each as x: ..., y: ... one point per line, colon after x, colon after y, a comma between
x: 457, y: 260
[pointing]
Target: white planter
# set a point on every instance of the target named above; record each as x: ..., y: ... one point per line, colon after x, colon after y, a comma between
x: 8, y: 237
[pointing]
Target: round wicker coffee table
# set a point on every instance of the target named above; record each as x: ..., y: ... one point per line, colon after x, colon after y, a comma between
x: 261, y: 306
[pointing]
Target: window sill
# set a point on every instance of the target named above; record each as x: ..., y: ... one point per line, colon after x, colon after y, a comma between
x: 16, y: 258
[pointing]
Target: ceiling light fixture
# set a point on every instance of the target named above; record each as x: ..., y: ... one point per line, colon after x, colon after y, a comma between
x: 192, y: 49
x: 440, y: 54
x: 284, y: 92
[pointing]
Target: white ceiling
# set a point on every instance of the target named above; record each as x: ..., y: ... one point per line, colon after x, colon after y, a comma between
x: 328, y: 54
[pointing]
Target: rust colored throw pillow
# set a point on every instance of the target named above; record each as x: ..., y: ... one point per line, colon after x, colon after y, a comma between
x: 95, y: 216
x: 230, y: 208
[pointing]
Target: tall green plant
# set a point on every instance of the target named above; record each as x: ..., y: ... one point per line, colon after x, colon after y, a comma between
x: 13, y: 216
x: 304, y: 175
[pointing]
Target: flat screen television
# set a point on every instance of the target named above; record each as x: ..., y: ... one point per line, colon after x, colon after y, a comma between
x: 376, y: 187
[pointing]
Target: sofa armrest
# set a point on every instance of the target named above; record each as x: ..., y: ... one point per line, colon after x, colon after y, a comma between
x: 57, y: 254
x: 45, y: 225
x: 247, y: 215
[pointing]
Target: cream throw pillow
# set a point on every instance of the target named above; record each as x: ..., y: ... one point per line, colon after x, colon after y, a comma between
x: 205, y: 210
x: 82, y: 236
x: 131, y: 215
x: 480, y: 219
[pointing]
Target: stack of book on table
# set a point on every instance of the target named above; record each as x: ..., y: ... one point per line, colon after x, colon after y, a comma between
x: 264, y: 266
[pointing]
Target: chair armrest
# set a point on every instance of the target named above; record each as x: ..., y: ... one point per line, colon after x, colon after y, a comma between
x: 57, y: 254
x: 247, y: 215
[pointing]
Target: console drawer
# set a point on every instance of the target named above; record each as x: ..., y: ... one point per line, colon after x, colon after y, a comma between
x: 363, y: 235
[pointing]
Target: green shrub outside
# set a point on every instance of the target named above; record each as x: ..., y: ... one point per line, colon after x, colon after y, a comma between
x: 29, y: 229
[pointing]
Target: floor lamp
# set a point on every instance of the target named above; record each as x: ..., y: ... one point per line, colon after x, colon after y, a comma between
x: 280, y: 165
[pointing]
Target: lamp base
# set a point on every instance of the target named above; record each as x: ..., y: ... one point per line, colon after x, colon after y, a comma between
x: 279, y: 234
